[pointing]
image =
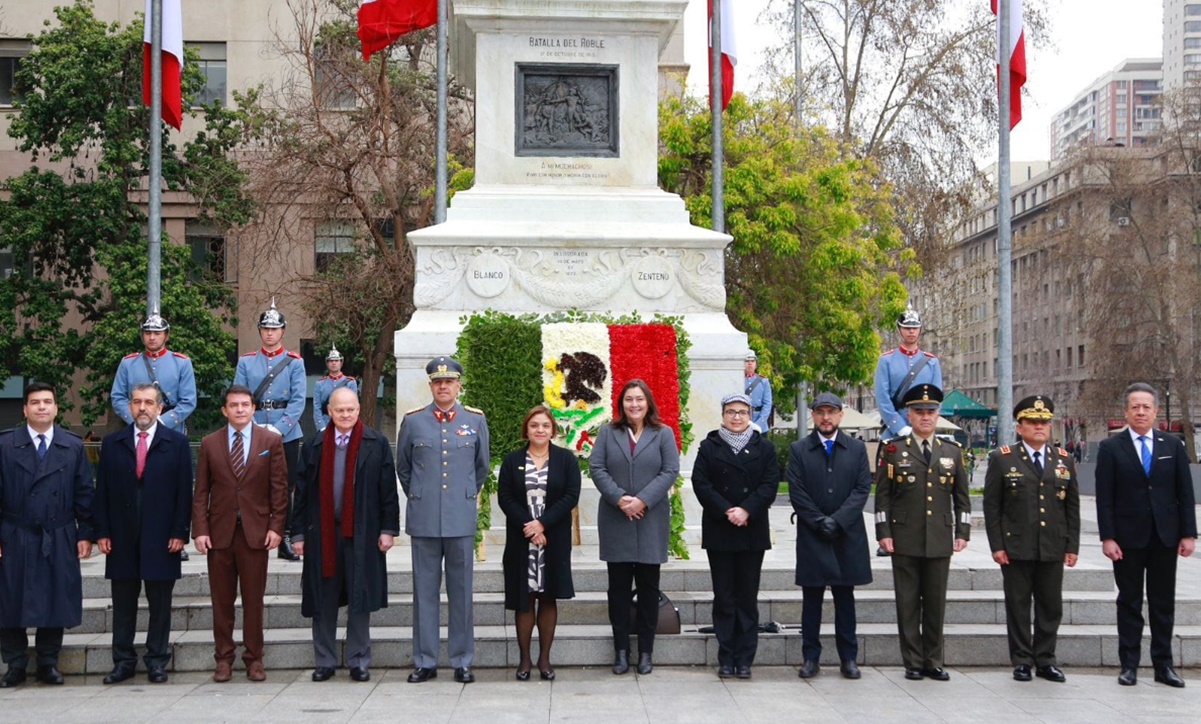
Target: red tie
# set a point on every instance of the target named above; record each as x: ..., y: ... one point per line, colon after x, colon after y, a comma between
x: 142, y: 452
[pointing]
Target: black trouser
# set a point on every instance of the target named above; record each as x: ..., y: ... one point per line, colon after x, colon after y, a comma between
x: 845, y: 639
x: 1157, y: 564
x: 735, y: 577
x: 621, y: 577
x: 125, y: 620
x: 292, y: 461
x: 14, y: 646
x: 1041, y: 581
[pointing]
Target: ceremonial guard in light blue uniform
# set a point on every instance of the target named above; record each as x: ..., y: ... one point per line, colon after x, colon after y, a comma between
x: 326, y: 386
x: 171, y: 372
x: 276, y: 378
x: 758, y: 388
x: 901, y: 369
x: 442, y: 461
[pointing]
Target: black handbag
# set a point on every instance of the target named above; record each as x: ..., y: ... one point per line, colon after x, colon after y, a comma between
x: 669, y: 615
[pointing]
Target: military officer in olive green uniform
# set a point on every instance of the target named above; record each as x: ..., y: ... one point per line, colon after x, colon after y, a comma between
x: 1032, y: 515
x: 923, y: 514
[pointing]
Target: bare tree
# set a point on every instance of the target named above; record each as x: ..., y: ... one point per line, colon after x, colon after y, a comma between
x: 345, y: 161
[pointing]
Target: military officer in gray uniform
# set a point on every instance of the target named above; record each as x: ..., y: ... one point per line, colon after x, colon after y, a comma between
x: 442, y: 461
x: 1032, y: 516
x: 923, y: 514
x: 276, y: 378
x: 169, y: 371
x: 326, y: 386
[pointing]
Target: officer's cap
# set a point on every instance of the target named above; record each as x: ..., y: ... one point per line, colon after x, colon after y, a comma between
x: 1034, y: 407
x: 334, y: 354
x: 909, y: 319
x: 155, y: 323
x: 826, y: 399
x: 272, y: 318
x: 444, y: 368
x: 923, y: 397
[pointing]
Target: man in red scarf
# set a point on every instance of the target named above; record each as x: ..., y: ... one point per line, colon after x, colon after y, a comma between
x: 344, y: 518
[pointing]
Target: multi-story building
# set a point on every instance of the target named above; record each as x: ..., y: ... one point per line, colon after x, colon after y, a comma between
x: 1119, y: 108
x: 1181, y: 42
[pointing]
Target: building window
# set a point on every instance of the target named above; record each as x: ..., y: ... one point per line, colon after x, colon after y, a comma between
x: 208, y: 251
x: 331, y: 82
x: 333, y: 238
x: 1192, y: 26
x: 1080, y: 355
x: 1192, y: 10
x: 212, y: 65
x: 1192, y: 43
x: 11, y: 53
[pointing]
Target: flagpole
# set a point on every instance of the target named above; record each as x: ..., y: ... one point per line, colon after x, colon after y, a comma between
x: 715, y: 96
x: 1004, y: 237
x: 798, y: 7
x: 154, y: 229
x: 440, y: 172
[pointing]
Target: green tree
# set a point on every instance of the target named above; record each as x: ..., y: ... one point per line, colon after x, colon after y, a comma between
x: 74, y: 226
x: 816, y: 256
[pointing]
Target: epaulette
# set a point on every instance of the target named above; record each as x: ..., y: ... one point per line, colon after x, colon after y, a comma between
x: 951, y: 441
x: 891, y: 440
x: 476, y: 410
x: 887, y: 352
x: 323, y: 378
x: 180, y: 355
x: 1005, y: 449
x: 1063, y: 452
x: 132, y: 355
x: 415, y: 410
x: 931, y: 355
x: 294, y: 355
x: 251, y: 354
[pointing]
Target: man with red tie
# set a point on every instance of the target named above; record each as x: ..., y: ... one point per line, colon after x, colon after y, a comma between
x: 238, y: 512
x: 142, y: 510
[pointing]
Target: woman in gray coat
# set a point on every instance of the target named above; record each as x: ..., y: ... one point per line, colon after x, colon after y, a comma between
x: 634, y: 464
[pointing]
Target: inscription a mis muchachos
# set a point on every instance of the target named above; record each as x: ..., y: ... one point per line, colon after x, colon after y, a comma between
x: 567, y: 109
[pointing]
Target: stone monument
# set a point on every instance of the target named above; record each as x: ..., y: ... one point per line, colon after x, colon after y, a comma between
x: 566, y: 212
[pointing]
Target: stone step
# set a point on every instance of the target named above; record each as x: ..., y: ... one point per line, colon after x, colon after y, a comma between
x: 591, y: 645
x: 194, y: 613
x: 283, y: 578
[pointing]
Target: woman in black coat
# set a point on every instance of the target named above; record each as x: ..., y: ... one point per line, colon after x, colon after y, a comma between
x: 736, y: 478
x: 538, y: 487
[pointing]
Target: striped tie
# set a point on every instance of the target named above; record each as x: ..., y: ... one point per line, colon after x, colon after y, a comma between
x: 237, y: 455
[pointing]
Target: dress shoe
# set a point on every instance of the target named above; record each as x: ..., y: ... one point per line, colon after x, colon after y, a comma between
x: 937, y: 673
x: 255, y: 671
x: 14, y: 677
x: 850, y: 670
x: 809, y: 669
x: 323, y: 673
x: 1165, y: 675
x: 183, y: 555
x: 743, y: 672
x: 915, y: 674
x: 725, y: 671
x: 223, y: 672
x: 1051, y: 673
x: 1021, y: 672
x: 547, y: 674
x: 523, y: 675
x: 156, y: 675
x: 49, y: 675
x: 421, y: 675
x: 360, y: 673
x: 285, y: 550
x: 644, y: 663
x: 1129, y: 676
x: 463, y: 675
x: 621, y: 662
x: 119, y: 674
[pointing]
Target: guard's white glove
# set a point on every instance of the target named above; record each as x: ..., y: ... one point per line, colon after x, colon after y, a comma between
x: 904, y: 432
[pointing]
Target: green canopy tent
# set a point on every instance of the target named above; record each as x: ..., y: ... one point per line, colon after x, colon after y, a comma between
x: 957, y: 404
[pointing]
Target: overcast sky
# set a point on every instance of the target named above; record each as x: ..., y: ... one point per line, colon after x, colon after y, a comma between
x: 1089, y: 38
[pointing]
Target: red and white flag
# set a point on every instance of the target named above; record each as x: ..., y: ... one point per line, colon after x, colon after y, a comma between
x: 381, y: 22
x: 1017, y: 59
x: 172, y: 61
x: 729, y: 51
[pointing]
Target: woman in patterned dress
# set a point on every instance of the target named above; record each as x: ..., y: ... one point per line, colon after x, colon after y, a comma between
x: 539, y: 485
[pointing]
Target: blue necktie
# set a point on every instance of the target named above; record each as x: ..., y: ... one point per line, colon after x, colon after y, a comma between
x: 42, y: 447
x: 1146, y: 455
x: 829, y: 448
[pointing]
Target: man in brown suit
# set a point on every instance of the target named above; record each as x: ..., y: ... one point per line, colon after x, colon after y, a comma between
x: 238, y: 512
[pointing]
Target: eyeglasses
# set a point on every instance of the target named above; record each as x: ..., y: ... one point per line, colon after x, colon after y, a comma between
x: 736, y: 413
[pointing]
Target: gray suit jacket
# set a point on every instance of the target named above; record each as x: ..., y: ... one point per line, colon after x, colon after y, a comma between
x: 648, y: 474
x: 441, y: 467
